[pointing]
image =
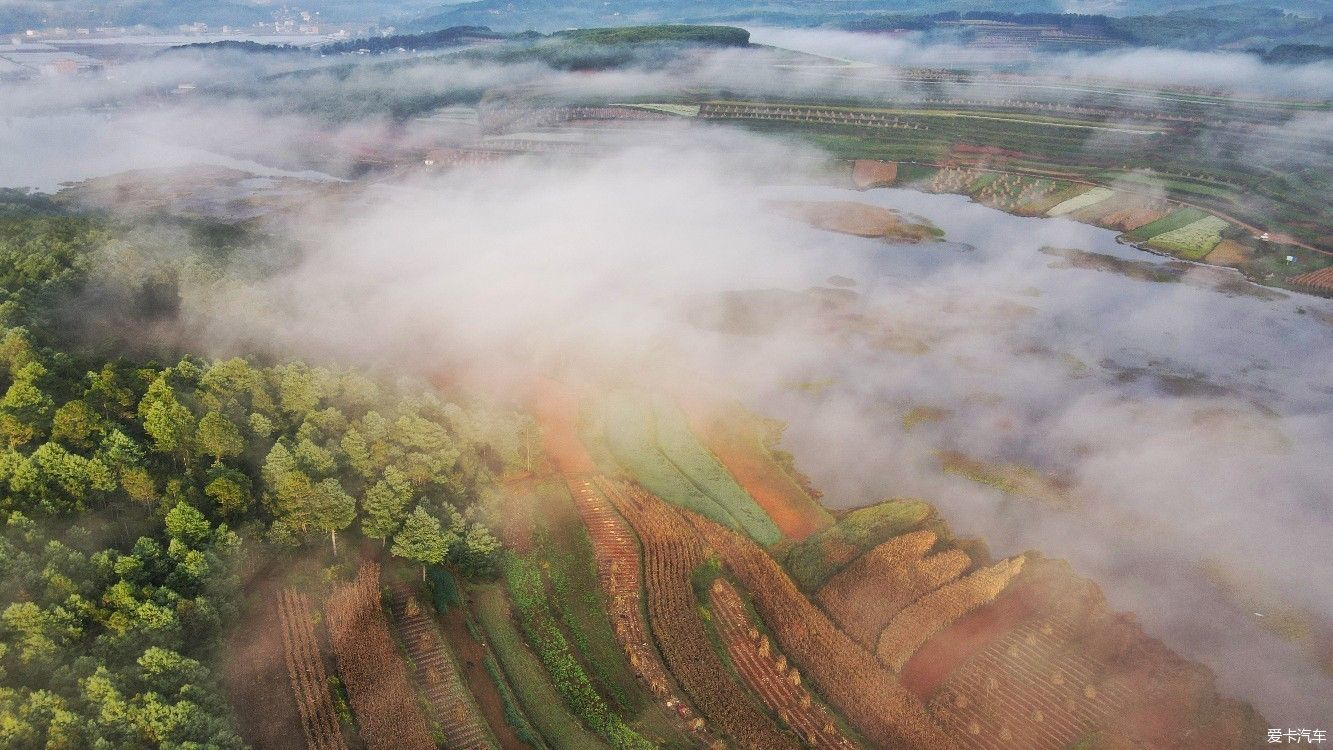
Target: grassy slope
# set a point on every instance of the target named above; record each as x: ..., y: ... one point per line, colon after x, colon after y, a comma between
x: 542, y: 702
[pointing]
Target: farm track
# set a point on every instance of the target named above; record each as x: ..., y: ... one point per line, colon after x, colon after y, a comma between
x: 776, y: 683
x: 305, y: 668
x: 437, y: 674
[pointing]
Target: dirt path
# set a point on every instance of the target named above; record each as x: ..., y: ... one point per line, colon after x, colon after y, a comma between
x: 471, y: 664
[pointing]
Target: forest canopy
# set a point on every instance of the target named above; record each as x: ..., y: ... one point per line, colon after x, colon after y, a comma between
x: 135, y: 493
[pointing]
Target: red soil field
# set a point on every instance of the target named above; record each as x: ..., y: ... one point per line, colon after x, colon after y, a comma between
x: 256, y: 675
x: 1321, y: 279
x: 557, y: 409
x: 933, y: 662
x: 471, y: 658
x: 732, y: 436
x: 872, y: 173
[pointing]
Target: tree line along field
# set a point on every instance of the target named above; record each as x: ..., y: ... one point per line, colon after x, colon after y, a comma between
x: 630, y: 620
x: 353, y: 521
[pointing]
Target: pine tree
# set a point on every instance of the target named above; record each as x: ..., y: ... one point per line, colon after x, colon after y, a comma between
x: 422, y: 540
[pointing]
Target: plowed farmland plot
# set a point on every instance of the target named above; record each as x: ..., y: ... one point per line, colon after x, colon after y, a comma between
x: 672, y: 551
x: 769, y: 675
x: 1321, y: 280
x: 376, y: 678
x: 1194, y: 240
x: 847, y: 676
x: 732, y: 436
x: 1029, y: 689
x: 866, y: 595
x: 305, y: 667
x: 870, y: 173
x: 437, y: 675
x: 617, y: 554
x: 652, y: 439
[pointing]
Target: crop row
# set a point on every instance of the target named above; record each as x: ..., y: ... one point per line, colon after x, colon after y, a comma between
x: 531, y: 685
x: 930, y: 614
x: 654, y: 442
x: 377, y: 682
x: 1192, y: 241
x: 538, y: 623
x: 305, y: 669
x: 769, y: 675
x: 848, y: 677
x: 671, y: 552
x: 863, y: 597
x: 437, y: 674
x: 1028, y: 689
x: 618, y: 574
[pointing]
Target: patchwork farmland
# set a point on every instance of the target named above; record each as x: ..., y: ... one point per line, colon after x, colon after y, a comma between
x: 874, y: 628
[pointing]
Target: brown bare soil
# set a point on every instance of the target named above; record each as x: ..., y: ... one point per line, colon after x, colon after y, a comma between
x: 734, y: 438
x: 256, y: 677
x: 860, y: 219
x: 865, y: 596
x: 1126, y: 212
x: 872, y: 173
x: 1228, y: 253
x: 556, y: 408
x: 471, y: 664
x: 1321, y: 280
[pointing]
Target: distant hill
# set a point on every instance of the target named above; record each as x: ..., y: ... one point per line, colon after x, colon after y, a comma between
x: 550, y: 15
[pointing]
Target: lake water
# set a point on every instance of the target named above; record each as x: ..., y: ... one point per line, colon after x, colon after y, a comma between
x: 1193, y: 423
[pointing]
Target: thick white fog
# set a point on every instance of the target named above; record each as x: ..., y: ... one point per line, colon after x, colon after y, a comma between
x: 1191, y: 422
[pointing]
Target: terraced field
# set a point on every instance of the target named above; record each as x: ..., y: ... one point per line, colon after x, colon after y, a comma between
x: 377, y: 682
x: 436, y: 674
x: 847, y: 676
x: 769, y: 675
x: 672, y: 551
x: 931, y: 613
x: 865, y: 596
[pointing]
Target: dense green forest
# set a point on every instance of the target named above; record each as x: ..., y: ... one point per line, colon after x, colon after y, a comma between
x: 136, y: 494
